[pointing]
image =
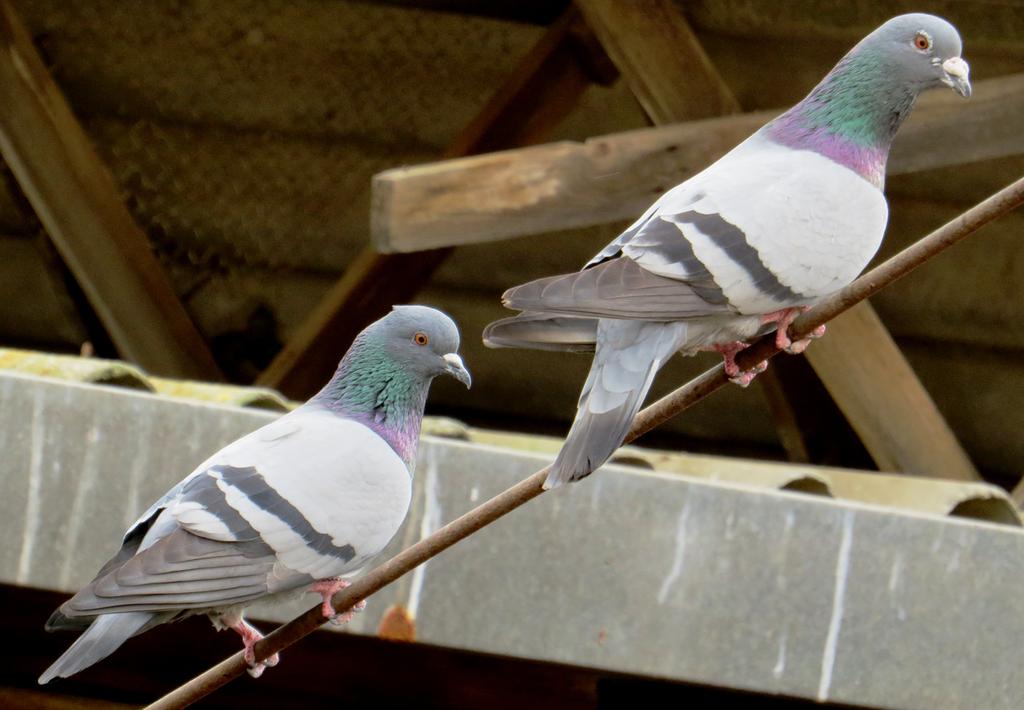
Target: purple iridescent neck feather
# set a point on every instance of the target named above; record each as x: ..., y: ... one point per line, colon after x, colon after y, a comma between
x: 371, y: 388
x: 852, y: 116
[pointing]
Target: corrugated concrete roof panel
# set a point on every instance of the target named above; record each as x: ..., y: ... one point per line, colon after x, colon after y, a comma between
x: 943, y: 497
x: 635, y: 572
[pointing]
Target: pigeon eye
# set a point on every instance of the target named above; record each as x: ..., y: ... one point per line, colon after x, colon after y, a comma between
x: 922, y: 42
x: 420, y: 338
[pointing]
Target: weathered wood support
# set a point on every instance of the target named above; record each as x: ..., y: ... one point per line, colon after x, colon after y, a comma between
x: 77, y: 202
x: 878, y: 392
x: 542, y: 90
x: 609, y: 178
x: 653, y: 46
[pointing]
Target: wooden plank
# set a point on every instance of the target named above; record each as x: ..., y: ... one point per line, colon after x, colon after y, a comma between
x: 542, y: 90
x: 809, y: 423
x: 654, y: 48
x: 544, y: 188
x: 884, y: 401
x: 77, y: 202
x: 610, y: 178
x: 785, y: 415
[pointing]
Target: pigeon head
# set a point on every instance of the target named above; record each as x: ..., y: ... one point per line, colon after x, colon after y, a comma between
x: 922, y: 51
x: 423, y: 340
x: 382, y: 380
x: 853, y: 114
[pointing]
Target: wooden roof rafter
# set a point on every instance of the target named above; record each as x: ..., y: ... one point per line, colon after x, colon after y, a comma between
x: 542, y: 90
x: 567, y: 185
x: 77, y: 201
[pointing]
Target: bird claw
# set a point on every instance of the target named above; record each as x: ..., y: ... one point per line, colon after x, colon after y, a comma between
x: 744, y: 378
x: 798, y: 346
x: 783, y: 318
x: 728, y: 352
x: 339, y: 619
x: 256, y: 669
x: 250, y: 635
x: 345, y: 616
x: 327, y: 588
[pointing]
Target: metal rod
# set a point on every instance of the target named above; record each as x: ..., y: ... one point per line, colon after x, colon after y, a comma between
x: 662, y: 410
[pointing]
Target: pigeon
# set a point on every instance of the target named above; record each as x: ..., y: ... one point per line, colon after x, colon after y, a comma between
x: 789, y: 216
x: 295, y: 506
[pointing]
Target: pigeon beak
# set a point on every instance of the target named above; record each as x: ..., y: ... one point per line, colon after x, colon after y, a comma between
x: 457, y: 369
x: 954, y: 75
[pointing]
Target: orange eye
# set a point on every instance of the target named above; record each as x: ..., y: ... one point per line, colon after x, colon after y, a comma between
x: 420, y: 339
x: 922, y: 41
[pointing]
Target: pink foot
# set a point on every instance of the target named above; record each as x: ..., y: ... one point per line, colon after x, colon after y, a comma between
x: 728, y: 352
x: 327, y: 588
x: 797, y: 347
x: 744, y: 378
x: 783, y: 318
x: 250, y: 635
x: 737, y: 376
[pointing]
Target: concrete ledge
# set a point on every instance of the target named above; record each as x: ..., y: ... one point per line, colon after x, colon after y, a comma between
x: 647, y: 573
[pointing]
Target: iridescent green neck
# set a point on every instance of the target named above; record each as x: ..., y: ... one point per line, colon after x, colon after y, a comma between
x: 851, y: 116
x: 371, y: 388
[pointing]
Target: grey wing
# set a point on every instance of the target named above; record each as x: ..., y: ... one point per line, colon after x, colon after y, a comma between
x: 649, y: 272
x: 184, y: 569
x: 619, y: 288
x: 614, y: 248
x: 130, y: 545
x: 137, y: 531
x: 727, y: 254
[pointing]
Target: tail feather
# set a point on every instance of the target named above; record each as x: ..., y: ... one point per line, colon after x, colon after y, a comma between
x: 629, y: 355
x: 542, y: 331
x: 59, y: 622
x: 102, y: 638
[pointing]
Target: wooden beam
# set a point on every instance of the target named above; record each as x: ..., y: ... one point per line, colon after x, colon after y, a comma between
x: 567, y: 185
x: 809, y: 423
x: 542, y: 90
x: 654, y: 48
x: 77, y: 202
x: 884, y: 401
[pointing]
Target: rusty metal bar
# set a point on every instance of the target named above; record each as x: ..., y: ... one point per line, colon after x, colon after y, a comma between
x: 664, y: 409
